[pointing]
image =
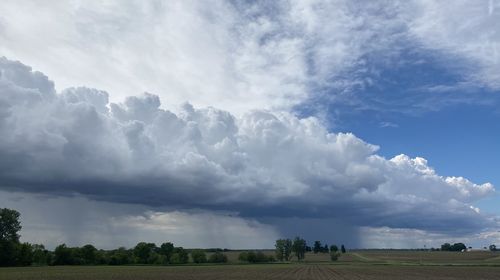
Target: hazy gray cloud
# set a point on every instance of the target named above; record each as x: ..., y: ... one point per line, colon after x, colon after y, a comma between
x: 261, y: 164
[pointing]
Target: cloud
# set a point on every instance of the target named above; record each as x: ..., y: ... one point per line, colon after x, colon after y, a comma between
x: 188, y: 50
x: 246, y: 55
x: 388, y: 125
x: 262, y: 164
x: 465, y: 30
x: 314, y: 57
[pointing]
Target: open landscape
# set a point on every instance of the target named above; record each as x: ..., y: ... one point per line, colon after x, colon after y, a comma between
x: 249, y: 139
x: 373, y: 264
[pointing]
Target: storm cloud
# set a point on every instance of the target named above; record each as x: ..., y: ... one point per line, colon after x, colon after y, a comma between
x: 260, y: 164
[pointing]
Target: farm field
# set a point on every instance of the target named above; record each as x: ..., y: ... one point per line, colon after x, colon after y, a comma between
x: 353, y: 265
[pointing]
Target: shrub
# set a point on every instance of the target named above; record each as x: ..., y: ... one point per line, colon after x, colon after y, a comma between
x: 334, y: 256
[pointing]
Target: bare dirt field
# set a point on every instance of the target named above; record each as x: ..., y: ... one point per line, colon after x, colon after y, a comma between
x: 354, y: 265
x: 243, y: 272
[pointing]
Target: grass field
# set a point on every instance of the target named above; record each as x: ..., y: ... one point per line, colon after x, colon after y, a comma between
x: 354, y: 265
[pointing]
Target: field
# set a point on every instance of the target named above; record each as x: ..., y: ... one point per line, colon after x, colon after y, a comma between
x: 354, y: 265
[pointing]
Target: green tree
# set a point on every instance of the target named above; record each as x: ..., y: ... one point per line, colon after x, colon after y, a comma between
x: 317, y: 247
x: 334, y: 255
x: 143, y: 252
x: 342, y: 249
x: 279, y: 249
x: 167, y: 249
x: 243, y: 256
x: 88, y: 254
x: 41, y: 256
x: 9, y: 236
x: 334, y: 248
x: 255, y: 257
x: 458, y: 247
x: 120, y: 256
x: 217, y: 257
x: 288, y: 249
x: 446, y: 247
x: 199, y: 256
x: 63, y: 255
x: 24, y: 254
x: 8, y: 253
x: 180, y: 256
x: 283, y: 250
x: 493, y: 247
x: 324, y: 249
x: 9, y: 225
x: 155, y: 258
x: 299, y: 248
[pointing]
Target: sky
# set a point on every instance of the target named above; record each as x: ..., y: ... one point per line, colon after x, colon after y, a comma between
x: 231, y: 124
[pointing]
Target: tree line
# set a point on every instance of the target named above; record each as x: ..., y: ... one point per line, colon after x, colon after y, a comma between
x: 460, y: 247
x: 285, y: 247
x: 15, y: 253
x: 457, y: 247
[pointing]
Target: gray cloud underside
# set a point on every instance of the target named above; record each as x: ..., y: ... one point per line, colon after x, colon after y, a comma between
x: 261, y: 164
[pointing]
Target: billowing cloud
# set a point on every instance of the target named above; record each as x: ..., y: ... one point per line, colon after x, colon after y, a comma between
x: 260, y: 164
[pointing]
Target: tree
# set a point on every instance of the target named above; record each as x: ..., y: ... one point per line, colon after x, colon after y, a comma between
x: 120, y: 256
x: 317, y: 247
x: 446, y: 247
x: 324, y: 249
x: 334, y: 255
x: 8, y: 253
x: 334, y: 248
x: 167, y: 249
x: 143, y: 252
x: 9, y: 225
x: 179, y: 256
x: 299, y: 248
x: 9, y: 237
x: 41, y: 256
x: 493, y: 247
x: 243, y: 256
x: 288, y: 249
x: 217, y: 257
x: 199, y: 256
x: 24, y: 254
x: 88, y: 254
x: 255, y: 257
x: 458, y: 247
x: 342, y: 249
x: 283, y: 249
x: 63, y: 255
